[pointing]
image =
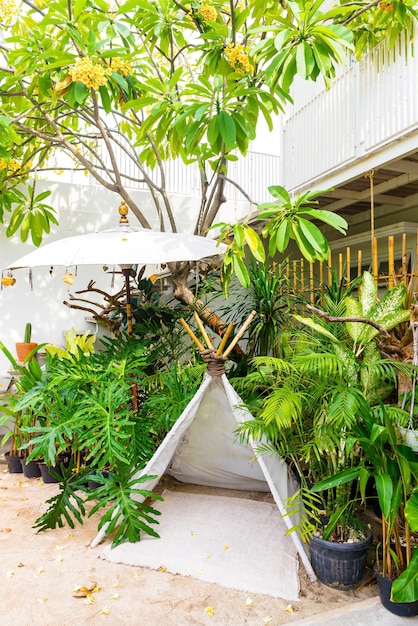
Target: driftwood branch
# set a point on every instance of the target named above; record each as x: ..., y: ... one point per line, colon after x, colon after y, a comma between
x: 362, y: 320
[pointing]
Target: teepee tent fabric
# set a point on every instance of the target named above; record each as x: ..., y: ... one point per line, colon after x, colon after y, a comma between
x: 202, y: 448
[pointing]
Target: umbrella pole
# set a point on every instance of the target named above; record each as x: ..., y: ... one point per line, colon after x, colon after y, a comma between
x: 126, y: 271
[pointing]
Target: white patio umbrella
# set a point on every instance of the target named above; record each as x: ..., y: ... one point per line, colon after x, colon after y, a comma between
x: 124, y: 246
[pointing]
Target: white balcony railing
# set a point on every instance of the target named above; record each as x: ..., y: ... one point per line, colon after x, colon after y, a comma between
x: 369, y: 106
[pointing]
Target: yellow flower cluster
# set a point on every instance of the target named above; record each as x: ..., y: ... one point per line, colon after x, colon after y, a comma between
x: 8, y: 10
x: 11, y: 166
x: 91, y: 74
x: 207, y: 13
x: 237, y: 57
x: 120, y: 66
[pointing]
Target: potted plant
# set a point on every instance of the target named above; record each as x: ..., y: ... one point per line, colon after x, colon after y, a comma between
x: 27, y: 375
x: 26, y: 349
x: 312, y: 396
x: 394, y: 469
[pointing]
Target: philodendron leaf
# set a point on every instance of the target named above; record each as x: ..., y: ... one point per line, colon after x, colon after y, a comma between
x: 353, y: 309
x: 405, y: 587
x: 367, y: 293
x: 315, y: 326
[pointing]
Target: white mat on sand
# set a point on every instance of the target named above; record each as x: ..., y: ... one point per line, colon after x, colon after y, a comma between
x: 235, y: 542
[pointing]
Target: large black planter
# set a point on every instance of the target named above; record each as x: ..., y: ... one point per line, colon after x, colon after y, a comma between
x: 14, y: 464
x: 31, y: 469
x: 339, y: 565
x: 403, y: 609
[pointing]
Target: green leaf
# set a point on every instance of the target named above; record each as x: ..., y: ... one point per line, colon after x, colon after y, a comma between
x: 282, y: 236
x: 254, y: 243
x: 227, y: 129
x: 405, y: 587
x: 384, y: 488
x: 241, y: 271
x: 315, y: 326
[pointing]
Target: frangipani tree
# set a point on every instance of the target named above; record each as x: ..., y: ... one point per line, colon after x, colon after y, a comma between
x: 158, y: 80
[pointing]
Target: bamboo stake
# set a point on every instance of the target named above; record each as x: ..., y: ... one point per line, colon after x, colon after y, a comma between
x: 391, y: 261
x: 239, y: 334
x: 191, y: 333
x: 224, y: 339
x: 202, y: 330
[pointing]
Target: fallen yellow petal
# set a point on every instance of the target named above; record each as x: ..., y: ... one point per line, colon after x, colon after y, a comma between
x: 97, y: 589
x: 83, y: 590
x: 137, y: 576
x: 209, y: 556
x: 226, y: 547
x: 69, y: 536
x: 162, y: 568
x: 248, y: 602
x: 116, y: 585
x: 60, y: 558
x: 267, y: 619
x: 105, y: 610
x: 59, y: 548
x: 289, y: 608
x: 89, y: 599
x: 10, y: 574
x: 42, y: 600
x: 115, y: 596
x: 210, y: 610
x: 40, y: 483
x: 193, y: 533
x: 40, y: 570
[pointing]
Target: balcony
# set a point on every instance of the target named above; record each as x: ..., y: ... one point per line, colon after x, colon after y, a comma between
x: 360, y: 140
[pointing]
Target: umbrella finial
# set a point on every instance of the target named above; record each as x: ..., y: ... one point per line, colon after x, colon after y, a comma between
x: 123, y: 212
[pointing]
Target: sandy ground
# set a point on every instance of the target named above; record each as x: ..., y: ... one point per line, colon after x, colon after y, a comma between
x: 40, y: 571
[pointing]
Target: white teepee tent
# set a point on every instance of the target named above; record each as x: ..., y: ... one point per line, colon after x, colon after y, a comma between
x: 202, y: 448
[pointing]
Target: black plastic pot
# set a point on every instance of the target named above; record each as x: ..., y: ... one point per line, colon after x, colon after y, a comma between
x: 14, y: 464
x: 339, y: 565
x: 403, y: 609
x: 31, y: 469
x: 47, y: 477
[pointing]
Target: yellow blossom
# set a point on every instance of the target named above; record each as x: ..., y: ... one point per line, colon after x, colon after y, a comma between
x: 8, y: 10
x: 11, y: 166
x: 210, y: 610
x: 207, y: 13
x: 120, y: 66
x: 90, y: 74
x: 237, y: 56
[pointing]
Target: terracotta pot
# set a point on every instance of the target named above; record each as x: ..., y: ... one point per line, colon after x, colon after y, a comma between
x: 23, y: 349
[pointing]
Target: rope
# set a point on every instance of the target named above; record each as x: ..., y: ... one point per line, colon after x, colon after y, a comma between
x: 215, y: 364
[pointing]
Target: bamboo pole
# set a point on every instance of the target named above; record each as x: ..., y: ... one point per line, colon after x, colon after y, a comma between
x: 239, y: 334
x: 329, y: 269
x: 224, y: 339
x: 348, y: 257
x: 359, y: 262
x: 391, y: 261
x: 404, y: 260
x: 375, y: 261
x: 202, y: 330
x: 311, y: 283
x: 191, y: 333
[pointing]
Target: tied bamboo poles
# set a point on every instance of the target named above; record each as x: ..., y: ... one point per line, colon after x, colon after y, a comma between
x: 215, y: 358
